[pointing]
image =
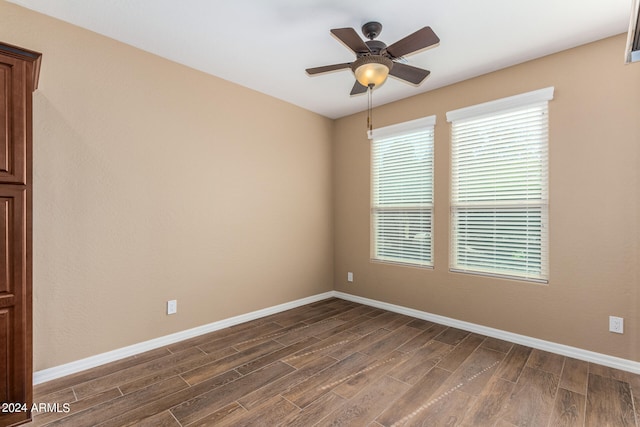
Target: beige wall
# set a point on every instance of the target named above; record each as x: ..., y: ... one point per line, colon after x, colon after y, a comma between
x: 594, y: 206
x: 153, y: 181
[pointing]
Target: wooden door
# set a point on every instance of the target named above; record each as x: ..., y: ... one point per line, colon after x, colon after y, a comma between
x: 15, y: 328
x: 18, y: 77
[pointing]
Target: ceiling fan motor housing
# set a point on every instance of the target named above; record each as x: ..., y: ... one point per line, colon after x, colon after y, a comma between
x: 376, y: 47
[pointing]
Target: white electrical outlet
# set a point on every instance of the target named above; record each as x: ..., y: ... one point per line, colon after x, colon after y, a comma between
x: 172, y: 306
x: 349, y: 277
x: 616, y: 324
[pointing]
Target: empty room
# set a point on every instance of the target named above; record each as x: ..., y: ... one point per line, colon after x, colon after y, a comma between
x: 320, y: 213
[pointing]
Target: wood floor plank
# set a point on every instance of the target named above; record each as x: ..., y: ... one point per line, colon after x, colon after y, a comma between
x: 503, y: 423
x: 366, y: 405
x: 354, y: 312
x: 228, y: 413
x: 575, y: 375
x: 444, y: 411
x: 178, y: 369
x: 514, y: 363
x: 329, y: 314
x: 317, y: 410
x: 387, y: 320
x: 474, y: 373
x: 634, y: 385
x: 370, y: 374
x: 95, y: 415
x: 348, y: 323
x: 487, y: 408
x: 76, y: 407
x: 321, y: 348
x: 464, y: 349
x: 608, y: 372
x: 249, y: 338
x: 213, y: 369
x: 397, y: 320
x: 62, y: 397
x: 284, y: 384
x: 609, y: 402
x: 108, y: 382
x: 452, y: 336
x: 97, y: 372
x: 375, y: 312
x: 163, y: 419
x: 309, y: 390
x: 206, y: 403
x: 632, y: 379
x: 497, y: 345
x: 420, y: 362
x: 414, y: 399
x: 258, y: 337
x: 533, y: 398
x: 297, y: 315
x: 423, y: 338
x: 307, y: 331
x: 165, y: 403
x: 274, y: 412
x: 420, y: 324
x: 383, y: 347
x: 358, y: 345
x: 258, y: 326
x: 276, y: 355
x: 545, y: 361
x: 330, y: 304
x: 569, y: 409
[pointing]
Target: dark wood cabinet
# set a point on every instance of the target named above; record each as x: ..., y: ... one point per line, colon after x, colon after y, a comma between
x: 12, y: 144
x: 19, y: 71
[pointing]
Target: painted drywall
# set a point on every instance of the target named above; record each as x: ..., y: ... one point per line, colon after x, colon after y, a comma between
x: 594, y: 160
x: 153, y: 181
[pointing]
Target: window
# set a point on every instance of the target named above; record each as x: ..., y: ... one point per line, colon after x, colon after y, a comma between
x: 402, y: 193
x: 632, y: 52
x: 499, y: 200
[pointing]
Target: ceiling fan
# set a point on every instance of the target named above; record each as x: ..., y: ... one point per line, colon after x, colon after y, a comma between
x: 375, y: 60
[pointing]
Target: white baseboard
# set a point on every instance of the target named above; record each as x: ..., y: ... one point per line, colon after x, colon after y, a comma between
x: 111, y: 356
x: 564, y: 350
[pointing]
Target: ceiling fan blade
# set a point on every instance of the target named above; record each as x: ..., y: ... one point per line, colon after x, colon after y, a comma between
x: 409, y: 73
x: 358, y: 89
x: 422, y: 38
x: 327, y: 68
x: 349, y: 37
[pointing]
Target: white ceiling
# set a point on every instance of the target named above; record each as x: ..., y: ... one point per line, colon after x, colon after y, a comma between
x: 267, y: 44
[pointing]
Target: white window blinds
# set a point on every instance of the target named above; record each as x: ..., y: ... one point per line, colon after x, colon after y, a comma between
x: 499, y: 200
x: 402, y: 193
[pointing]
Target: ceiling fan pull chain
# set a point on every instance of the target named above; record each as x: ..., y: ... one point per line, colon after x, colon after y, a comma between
x: 370, y: 109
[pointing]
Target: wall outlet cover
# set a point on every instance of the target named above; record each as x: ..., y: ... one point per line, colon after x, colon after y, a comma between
x: 172, y: 306
x: 616, y: 324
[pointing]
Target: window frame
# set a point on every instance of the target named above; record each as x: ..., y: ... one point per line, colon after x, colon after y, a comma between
x: 490, y: 110
x: 397, y: 131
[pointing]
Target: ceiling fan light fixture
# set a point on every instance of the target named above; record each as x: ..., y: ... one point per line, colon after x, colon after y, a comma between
x: 371, y: 70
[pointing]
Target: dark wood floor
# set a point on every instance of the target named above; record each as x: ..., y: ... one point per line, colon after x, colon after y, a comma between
x: 340, y: 363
